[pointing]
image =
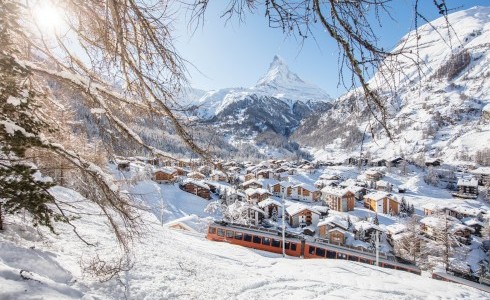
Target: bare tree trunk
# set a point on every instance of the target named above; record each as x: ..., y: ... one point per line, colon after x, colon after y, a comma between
x: 1, y: 217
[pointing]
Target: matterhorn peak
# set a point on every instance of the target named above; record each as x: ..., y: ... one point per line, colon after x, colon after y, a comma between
x: 278, y: 74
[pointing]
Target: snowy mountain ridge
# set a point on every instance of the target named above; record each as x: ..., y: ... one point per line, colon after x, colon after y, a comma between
x: 279, y: 83
x: 436, y: 106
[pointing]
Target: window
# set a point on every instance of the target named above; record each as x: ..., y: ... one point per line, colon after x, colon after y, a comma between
x: 247, y: 237
x: 341, y: 256
x: 388, y: 266
x: 353, y: 258
x: 293, y: 247
x: 320, y: 252
x: 256, y: 239
x: 287, y: 245
x: 221, y: 232
x: 366, y: 261
x: 311, y: 250
x: 276, y: 243
x: 266, y: 241
x: 229, y: 234
x: 331, y: 254
x: 212, y: 230
x: 238, y: 236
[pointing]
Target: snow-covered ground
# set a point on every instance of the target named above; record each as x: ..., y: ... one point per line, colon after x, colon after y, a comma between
x: 169, y: 264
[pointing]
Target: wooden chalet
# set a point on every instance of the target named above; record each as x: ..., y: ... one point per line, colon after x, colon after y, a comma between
x: 299, y: 215
x: 373, y: 175
x: 254, y: 196
x: 269, y: 205
x: 196, y: 175
x: 482, y: 174
x: 164, y: 175
x: 305, y: 192
x: 382, y: 202
x: 197, y: 188
x: 341, y: 200
x: 251, y: 184
x: 467, y: 188
x: 329, y: 223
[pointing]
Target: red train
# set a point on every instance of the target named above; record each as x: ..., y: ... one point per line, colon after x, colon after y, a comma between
x: 271, y: 240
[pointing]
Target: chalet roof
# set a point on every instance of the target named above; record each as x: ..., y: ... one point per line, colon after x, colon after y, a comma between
x: 348, y: 182
x: 365, y: 225
x: 481, y: 170
x: 373, y: 173
x: 335, y: 191
x: 218, y: 172
x: 296, y: 208
x: 286, y: 184
x: 306, y: 186
x: 469, y: 221
x: 432, y: 206
x: 471, y: 182
x: 334, y: 220
x: 377, y: 196
x: 196, y: 183
x: 260, y: 191
x: 269, y: 201
x: 396, y: 228
x: 464, y: 209
x: 165, y: 170
x: 329, y: 177
x: 355, y: 188
x: 252, y: 181
x: 194, y: 173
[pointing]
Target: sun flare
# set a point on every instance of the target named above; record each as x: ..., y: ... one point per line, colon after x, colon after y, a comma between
x: 48, y: 17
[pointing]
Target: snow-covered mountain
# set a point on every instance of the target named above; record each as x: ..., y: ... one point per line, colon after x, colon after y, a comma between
x: 435, y: 106
x: 275, y: 106
x: 278, y: 83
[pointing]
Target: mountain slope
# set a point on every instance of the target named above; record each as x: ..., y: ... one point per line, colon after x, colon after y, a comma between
x: 435, y: 106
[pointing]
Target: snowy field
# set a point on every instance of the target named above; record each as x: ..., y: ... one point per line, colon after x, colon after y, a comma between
x: 169, y: 264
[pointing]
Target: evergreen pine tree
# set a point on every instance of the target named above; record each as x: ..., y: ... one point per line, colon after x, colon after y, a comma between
x: 376, y: 221
x: 19, y: 130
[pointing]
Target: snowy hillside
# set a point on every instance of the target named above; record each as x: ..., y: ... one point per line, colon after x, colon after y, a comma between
x: 435, y: 107
x: 175, y: 265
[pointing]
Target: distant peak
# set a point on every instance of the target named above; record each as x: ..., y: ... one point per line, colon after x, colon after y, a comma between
x: 278, y: 72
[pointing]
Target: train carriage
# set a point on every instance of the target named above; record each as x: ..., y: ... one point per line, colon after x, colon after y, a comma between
x: 250, y: 238
x: 271, y: 240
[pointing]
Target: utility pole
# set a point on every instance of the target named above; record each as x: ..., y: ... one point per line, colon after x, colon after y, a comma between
x: 283, y: 229
x: 377, y: 248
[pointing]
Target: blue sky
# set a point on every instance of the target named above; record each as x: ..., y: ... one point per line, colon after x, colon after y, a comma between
x: 237, y: 54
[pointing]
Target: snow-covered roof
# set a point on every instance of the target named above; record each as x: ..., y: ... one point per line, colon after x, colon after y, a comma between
x: 286, y: 184
x: 395, y: 228
x: 165, y: 170
x: 469, y: 221
x: 464, y: 209
x: 252, y: 181
x: 306, y: 186
x: 196, y: 183
x: 218, y: 173
x: 365, y: 225
x: 431, y: 206
x: 334, y: 191
x: 194, y: 173
x: 329, y: 177
x: 269, y: 201
x: 377, y: 196
x: 260, y: 191
x: 382, y: 183
x: 296, y: 208
x: 468, y: 182
x: 486, y: 108
x: 334, y: 220
x: 355, y: 188
x: 481, y: 171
